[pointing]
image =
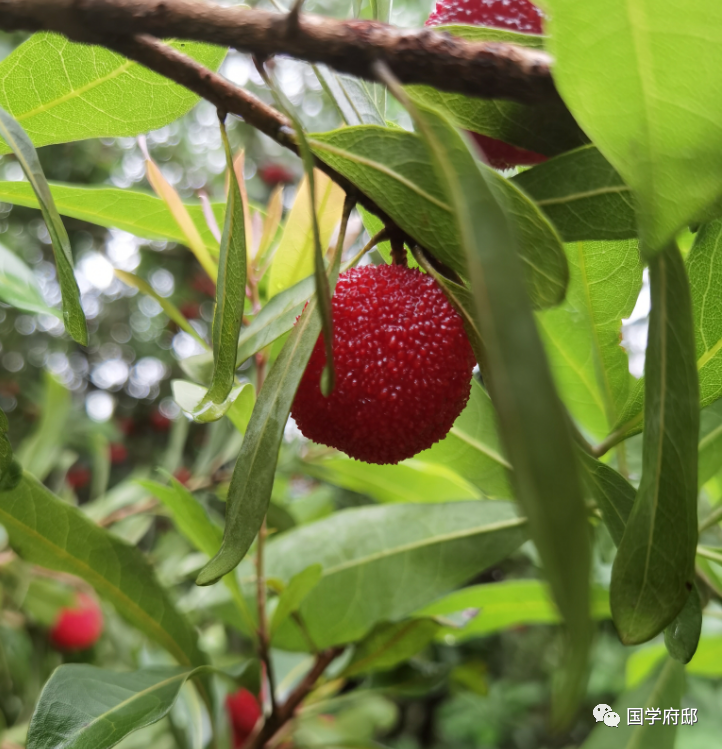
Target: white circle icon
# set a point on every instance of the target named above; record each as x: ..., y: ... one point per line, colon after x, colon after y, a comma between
x: 611, y: 719
x: 600, y: 711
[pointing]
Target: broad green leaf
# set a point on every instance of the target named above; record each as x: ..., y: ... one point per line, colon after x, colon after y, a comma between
x: 389, y: 644
x: 60, y: 91
x: 629, y: 71
x: 239, y: 414
x: 582, y: 336
x: 351, y: 96
x: 410, y: 481
x: 707, y: 661
x: 85, y: 707
x: 381, y: 563
x: 168, y: 307
x: 653, y: 571
x: 532, y: 421
x: 18, y: 285
x: 582, y: 195
x: 681, y: 637
x: 394, y: 168
x: 294, y: 594
x: 293, y: 259
x: 664, y: 691
x: 130, y: 210
x: 505, y: 605
x: 472, y: 447
x: 25, y: 153
x: 230, y: 289
x: 46, y: 531
x: 39, y: 452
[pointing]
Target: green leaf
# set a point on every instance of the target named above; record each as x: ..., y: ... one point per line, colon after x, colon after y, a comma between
x: 582, y: 335
x: 410, y: 481
x: 710, y: 442
x: 582, y: 195
x: 133, y: 211
x: 504, y: 605
x: 294, y: 594
x: 239, y: 414
x: 46, y: 531
x: 707, y: 661
x: 389, y: 644
x: 532, y: 421
x: 84, y: 707
x: 381, y: 563
x: 472, y: 447
x: 20, y: 144
x: 18, y: 285
x: 60, y: 91
x: 394, y: 168
x: 230, y: 290
x: 645, y: 101
x: 351, y: 96
x: 663, y: 692
x: 653, y: 571
x: 681, y: 637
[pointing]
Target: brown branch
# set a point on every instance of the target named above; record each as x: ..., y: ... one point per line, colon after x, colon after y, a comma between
x: 486, y: 69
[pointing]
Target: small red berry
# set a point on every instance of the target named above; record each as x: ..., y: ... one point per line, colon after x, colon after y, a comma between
x: 183, y: 475
x: 403, y: 367
x: 515, y: 15
x: 118, y: 453
x: 190, y: 310
x: 203, y: 283
x: 275, y: 174
x: 79, y: 627
x: 78, y: 476
x: 158, y: 422
x: 244, y: 712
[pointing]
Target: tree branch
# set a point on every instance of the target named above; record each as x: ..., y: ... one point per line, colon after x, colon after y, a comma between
x: 485, y: 69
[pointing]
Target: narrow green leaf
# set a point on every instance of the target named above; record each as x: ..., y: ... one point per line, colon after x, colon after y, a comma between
x: 681, y: 637
x: 85, y: 707
x: 653, y: 571
x: 18, y: 285
x: 133, y: 211
x: 60, y: 91
x: 616, y: 57
x: 532, y: 421
x: 583, y: 195
x: 22, y: 147
x: 664, y: 692
x: 168, y: 307
x: 351, y: 96
x: 46, y: 531
x: 389, y: 644
x: 394, y: 168
x: 294, y: 594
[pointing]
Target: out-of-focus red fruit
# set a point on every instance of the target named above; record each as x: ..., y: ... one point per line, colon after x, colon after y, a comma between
x: 118, y: 453
x: 126, y: 424
x: 158, y: 422
x: 183, y: 475
x: 78, y: 476
x: 78, y: 627
x: 403, y: 367
x: 275, y: 174
x: 191, y: 310
x: 202, y: 283
x: 244, y: 712
x: 515, y: 15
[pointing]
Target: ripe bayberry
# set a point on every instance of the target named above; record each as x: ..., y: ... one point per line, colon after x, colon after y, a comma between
x: 403, y: 367
x: 515, y: 15
x: 244, y: 712
x: 78, y: 627
x: 275, y: 174
x: 78, y: 476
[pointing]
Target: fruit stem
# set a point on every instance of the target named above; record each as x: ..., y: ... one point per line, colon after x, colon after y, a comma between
x: 398, y: 250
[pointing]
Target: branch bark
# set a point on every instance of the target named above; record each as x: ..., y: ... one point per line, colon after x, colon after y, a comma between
x: 485, y: 69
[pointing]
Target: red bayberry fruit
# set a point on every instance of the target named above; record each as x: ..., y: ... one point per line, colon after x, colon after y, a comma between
x: 191, y: 310
x: 202, y: 283
x: 183, y: 475
x: 118, y: 453
x: 515, y: 15
x: 275, y: 174
x: 79, y: 627
x: 403, y: 367
x: 158, y: 422
x: 78, y: 476
x: 244, y: 712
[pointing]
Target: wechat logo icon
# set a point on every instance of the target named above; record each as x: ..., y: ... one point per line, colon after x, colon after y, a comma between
x: 605, y: 713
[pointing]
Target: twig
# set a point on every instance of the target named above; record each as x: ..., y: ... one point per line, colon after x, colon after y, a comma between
x: 264, y: 644
x: 617, y: 436
x: 126, y: 512
x: 487, y: 69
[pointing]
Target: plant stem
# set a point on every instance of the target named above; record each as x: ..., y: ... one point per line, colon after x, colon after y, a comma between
x: 712, y: 519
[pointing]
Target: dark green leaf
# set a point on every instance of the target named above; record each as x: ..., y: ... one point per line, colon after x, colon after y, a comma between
x: 27, y: 157
x: 582, y: 195
x: 682, y: 636
x: 84, y: 707
x: 653, y: 571
x: 393, y: 167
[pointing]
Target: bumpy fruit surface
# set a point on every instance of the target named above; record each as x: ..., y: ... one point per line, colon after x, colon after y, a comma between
x: 244, y: 711
x: 515, y: 15
x: 403, y: 367
x: 78, y: 627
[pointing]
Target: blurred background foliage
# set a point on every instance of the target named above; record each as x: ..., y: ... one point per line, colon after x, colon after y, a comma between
x: 92, y: 422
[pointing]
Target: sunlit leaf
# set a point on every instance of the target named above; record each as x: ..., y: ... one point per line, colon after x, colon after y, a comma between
x: 19, y: 286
